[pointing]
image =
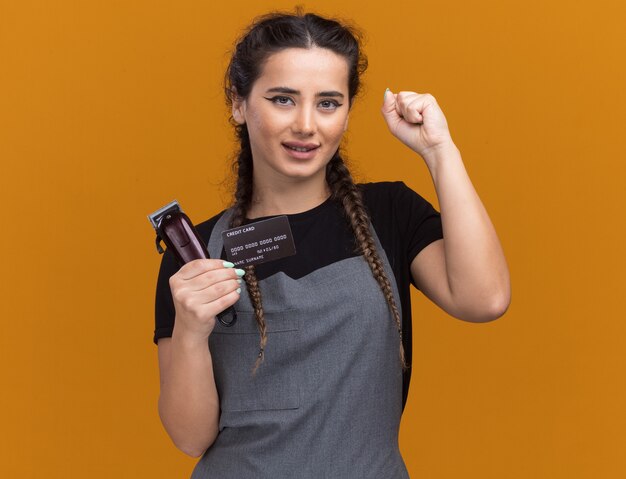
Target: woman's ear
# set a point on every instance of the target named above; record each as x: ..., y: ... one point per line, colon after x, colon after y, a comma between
x: 239, y: 109
x: 345, y: 126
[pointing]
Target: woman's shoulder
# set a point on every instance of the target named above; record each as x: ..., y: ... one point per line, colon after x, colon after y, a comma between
x: 385, y: 193
x: 382, y: 187
x: 395, y: 198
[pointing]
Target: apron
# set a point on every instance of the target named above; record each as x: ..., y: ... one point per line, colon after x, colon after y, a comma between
x: 327, y: 399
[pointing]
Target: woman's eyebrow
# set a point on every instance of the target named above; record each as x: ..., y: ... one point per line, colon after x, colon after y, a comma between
x: 330, y: 93
x: 291, y: 91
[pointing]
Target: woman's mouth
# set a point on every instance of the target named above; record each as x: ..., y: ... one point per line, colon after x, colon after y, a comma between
x: 298, y: 148
x: 301, y: 151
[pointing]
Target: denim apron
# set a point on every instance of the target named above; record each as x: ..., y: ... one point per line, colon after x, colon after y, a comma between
x: 327, y: 399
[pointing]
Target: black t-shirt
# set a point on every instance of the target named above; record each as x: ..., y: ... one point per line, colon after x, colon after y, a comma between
x: 404, y: 222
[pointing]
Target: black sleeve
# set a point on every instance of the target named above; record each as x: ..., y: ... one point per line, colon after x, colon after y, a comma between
x: 406, y: 223
x: 164, y: 312
x: 420, y: 222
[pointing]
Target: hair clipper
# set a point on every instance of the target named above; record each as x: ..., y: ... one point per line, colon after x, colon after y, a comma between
x: 175, y: 229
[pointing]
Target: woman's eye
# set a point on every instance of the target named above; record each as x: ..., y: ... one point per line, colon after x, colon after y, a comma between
x: 329, y: 104
x: 281, y: 100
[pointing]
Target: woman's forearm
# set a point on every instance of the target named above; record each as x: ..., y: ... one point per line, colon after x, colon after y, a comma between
x: 189, y: 403
x: 476, y: 268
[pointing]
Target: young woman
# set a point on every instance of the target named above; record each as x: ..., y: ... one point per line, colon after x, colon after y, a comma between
x: 311, y: 380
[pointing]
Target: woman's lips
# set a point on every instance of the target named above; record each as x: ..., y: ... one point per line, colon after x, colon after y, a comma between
x: 301, y: 151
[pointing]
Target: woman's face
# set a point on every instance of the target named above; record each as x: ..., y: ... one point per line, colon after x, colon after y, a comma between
x: 296, y: 114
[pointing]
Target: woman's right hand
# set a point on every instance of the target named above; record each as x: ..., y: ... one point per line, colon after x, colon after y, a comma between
x: 201, y: 289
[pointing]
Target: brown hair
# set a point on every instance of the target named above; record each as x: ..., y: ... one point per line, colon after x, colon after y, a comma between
x: 267, y: 35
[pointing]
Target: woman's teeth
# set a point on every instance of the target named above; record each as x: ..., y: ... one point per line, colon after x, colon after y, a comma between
x: 297, y: 148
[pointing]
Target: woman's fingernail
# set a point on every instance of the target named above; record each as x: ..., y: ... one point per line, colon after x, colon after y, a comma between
x: 240, y: 272
x: 238, y: 290
x: 228, y: 264
x: 385, y: 95
x: 239, y: 280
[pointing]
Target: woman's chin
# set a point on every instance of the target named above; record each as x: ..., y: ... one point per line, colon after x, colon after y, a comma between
x: 304, y: 173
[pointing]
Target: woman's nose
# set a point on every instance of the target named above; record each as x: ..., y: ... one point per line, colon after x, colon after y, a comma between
x: 304, y: 122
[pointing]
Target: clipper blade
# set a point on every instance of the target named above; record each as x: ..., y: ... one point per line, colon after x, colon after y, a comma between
x: 156, y: 217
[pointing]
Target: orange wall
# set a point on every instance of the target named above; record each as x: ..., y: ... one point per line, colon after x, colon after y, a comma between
x: 106, y: 106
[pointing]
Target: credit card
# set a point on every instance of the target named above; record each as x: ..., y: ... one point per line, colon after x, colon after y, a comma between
x: 259, y: 242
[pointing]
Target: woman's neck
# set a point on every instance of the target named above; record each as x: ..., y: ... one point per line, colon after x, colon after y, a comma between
x: 287, y: 199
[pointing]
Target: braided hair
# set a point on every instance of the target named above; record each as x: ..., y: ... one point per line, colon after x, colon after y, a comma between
x: 267, y: 35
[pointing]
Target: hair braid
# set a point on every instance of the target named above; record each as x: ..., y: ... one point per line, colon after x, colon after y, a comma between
x: 344, y: 190
x: 243, y: 198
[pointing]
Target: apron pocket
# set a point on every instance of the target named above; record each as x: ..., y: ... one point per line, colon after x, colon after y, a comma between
x: 234, y: 351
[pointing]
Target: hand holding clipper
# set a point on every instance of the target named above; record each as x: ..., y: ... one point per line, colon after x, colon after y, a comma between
x: 175, y: 229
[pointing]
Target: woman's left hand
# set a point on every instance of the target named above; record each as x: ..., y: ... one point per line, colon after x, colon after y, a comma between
x: 417, y: 121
